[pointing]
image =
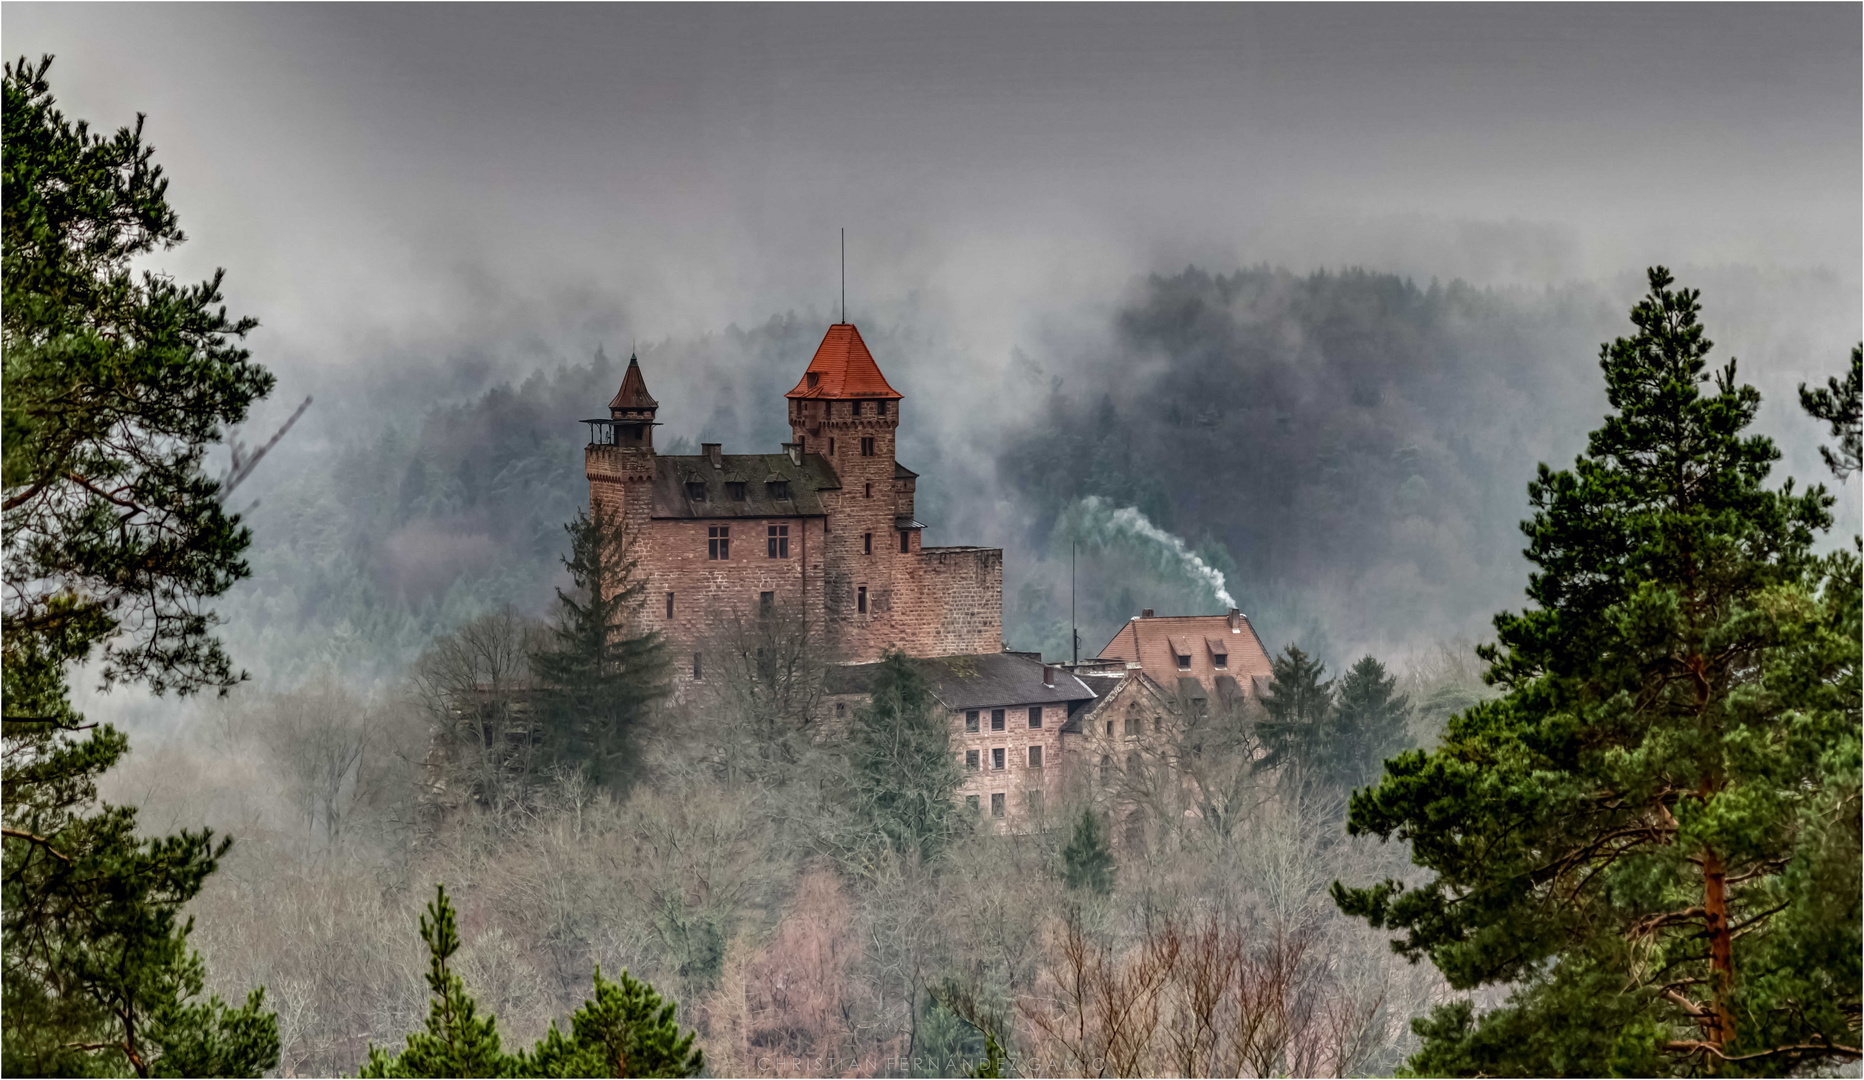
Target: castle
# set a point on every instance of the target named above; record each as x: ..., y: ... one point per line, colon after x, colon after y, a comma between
x: 825, y: 529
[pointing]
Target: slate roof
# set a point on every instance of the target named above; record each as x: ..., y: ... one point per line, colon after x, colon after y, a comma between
x: 843, y: 368
x: 976, y: 681
x: 806, y: 482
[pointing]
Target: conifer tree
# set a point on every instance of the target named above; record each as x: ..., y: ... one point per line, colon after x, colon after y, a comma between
x: 1087, y: 858
x: 116, y: 385
x: 457, y: 1040
x: 1838, y: 404
x: 1297, y: 703
x: 905, y: 775
x: 599, y: 676
x: 1369, y: 723
x: 1652, y: 838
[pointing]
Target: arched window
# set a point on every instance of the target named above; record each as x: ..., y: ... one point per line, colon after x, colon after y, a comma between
x: 1106, y: 768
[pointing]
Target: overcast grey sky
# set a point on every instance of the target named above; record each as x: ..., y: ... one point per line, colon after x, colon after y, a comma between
x: 427, y: 172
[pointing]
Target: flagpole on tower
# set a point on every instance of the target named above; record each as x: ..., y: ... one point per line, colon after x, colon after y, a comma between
x: 844, y: 275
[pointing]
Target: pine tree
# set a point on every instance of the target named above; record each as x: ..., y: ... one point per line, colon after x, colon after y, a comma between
x: 116, y: 384
x: 1087, y: 858
x: 1652, y: 837
x: 457, y: 1041
x: 1297, y: 704
x: 1837, y: 403
x: 599, y: 676
x: 626, y: 1029
x: 905, y: 775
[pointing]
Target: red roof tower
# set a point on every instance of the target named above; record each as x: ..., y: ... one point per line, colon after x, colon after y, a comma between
x: 843, y: 369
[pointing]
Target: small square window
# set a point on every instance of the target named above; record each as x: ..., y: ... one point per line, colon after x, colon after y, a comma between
x: 1221, y: 660
x: 970, y: 803
x: 1035, y: 757
x: 867, y: 543
x: 1184, y: 663
x: 970, y: 759
x: 996, y: 804
x: 970, y: 720
x: 996, y: 719
x: 1035, y: 716
x: 867, y: 446
x: 766, y: 602
x: 735, y: 489
x: 857, y: 408
x: 860, y: 599
x: 906, y: 541
x: 881, y: 406
x: 997, y: 757
x: 841, y: 708
x: 779, y: 547
x: 718, y: 543
x: 695, y: 490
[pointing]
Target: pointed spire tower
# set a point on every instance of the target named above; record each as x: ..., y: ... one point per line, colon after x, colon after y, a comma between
x: 632, y: 410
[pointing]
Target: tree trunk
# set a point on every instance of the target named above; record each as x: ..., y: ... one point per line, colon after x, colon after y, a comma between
x: 1720, y: 1028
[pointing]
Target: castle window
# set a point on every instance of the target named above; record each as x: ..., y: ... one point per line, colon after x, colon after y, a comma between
x: 841, y: 708
x: 1035, y: 716
x: 779, y: 489
x: 1132, y: 765
x: 1184, y: 663
x: 1106, y: 769
x: 857, y: 408
x: 906, y: 541
x: 766, y: 603
x: 996, y: 757
x: 996, y: 719
x: 867, y: 491
x: 867, y: 446
x: 812, y: 378
x: 970, y: 803
x: 970, y: 720
x: 669, y: 605
x: 735, y: 488
x: 867, y: 543
x: 698, y: 667
x: 1132, y: 724
x: 860, y: 599
x: 718, y: 543
x: 1035, y: 757
x: 1221, y: 660
x: 1034, y: 800
x: 831, y: 446
x: 1109, y: 729
x: 695, y: 490
x: 996, y: 804
x: 881, y: 406
x: 779, y: 545
x: 970, y: 759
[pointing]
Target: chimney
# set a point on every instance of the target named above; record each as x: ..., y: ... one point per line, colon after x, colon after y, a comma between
x: 1048, y: 674
x: 1236, y: 621
x: 712, y: 454
x: 795, y: 451
x: 1145, y: 613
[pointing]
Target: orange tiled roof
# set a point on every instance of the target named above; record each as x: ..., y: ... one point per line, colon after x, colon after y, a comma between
x: 1156, y: 643
x: 633, y: 393
x: 843, y: 368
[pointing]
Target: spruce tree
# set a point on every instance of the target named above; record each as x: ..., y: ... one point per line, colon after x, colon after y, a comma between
x: 1087, y: 858
x: 116, y: 382
x: 599, y: 676
x: 1369, y: 723
x: 906, y: 777
x: 1297, y: 704
x: 1652, y: 837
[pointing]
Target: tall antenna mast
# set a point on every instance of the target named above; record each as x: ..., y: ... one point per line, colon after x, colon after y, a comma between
x: 844, y: 275
x: 1074, y: 635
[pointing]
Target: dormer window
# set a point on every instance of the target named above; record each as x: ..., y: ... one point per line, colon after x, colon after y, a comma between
x: 812, y: 379
x: 735, y: 489
x: 1184, y: 662
x: 1221, y: 660
x: 779, y: 489
x: 695, y: 490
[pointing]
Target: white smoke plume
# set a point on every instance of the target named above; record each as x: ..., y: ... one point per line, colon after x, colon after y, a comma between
x: 1097, y: 522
